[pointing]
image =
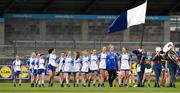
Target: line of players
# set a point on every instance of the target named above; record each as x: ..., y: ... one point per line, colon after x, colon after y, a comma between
x: 90, y: 68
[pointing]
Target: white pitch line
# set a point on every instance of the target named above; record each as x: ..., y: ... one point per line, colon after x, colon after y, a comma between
x: 89, y: 92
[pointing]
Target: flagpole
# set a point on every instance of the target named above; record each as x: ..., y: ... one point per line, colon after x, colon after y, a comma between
x: 142, y: 35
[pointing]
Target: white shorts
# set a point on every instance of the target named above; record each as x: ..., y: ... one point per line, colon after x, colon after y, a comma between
x: 93, y: 67
x: 102, y: 65
x: 77, y: 69
x: 67, y: 68
x: 85, y: 68
x: 148, y: 70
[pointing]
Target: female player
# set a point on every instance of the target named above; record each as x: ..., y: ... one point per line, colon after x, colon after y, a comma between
x: 60, y: 62
x: 148, y: 69
x: 41, y: 70
x: 76, y: 68
x: 93, y: 67
x: 51, y: 60
x: 30, y: 64
x: 102, y: 65
x: 68, y: 64
x: 157, y: 66
x: 111, y: 64
x: 125, y: 65
x: 17, y: 70
x: 85, y: 68
x: 36, y: 65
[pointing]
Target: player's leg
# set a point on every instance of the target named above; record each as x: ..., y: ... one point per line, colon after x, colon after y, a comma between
x: 42, y: 79
x: 50, y: 78
x: 94, y: 77
x: 126, y: 78
x: 61, y: 79
x: 32, y: 79
x: 89, y: 77
x: 67, y: 79
x: 20, y: 78
x: 77, y: 79
x: 14, y: 79
x: 102, y: 77
x: 83, y: 79
x: 37, y: 79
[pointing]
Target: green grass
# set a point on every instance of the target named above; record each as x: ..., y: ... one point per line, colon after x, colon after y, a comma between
x: 8, y: 87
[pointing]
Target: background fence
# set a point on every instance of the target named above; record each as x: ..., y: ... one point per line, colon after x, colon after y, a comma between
x: 24, y: 48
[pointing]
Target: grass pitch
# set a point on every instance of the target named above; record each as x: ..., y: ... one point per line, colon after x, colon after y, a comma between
x: 8, y: 87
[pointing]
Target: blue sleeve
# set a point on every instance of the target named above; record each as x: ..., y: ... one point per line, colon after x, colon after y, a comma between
x: 13, y: 62
x: 129, y: 58
x: 72, y: 61
x: 89, y: 58
x: 33, y: 63
x: 99, y: 57
x: 120, y: 58
x: 37, y: 63
x: 81, y: 60
x: 28, y: 61
x: 64, y: 60
x: 47, y: 58
x: 58, y: 60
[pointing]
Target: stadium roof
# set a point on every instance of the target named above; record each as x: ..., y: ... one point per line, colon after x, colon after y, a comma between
x: 155, y: 7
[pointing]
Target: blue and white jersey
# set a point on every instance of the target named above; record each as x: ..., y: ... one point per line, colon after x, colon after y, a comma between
x: 17, y: 65
x: 125, y: 59
x: 60, y: 62
x: 93, y: 62
x: 77, y: 64
x: 36, y: 64
x: 68, y: 64
x: 102, y: 60
x: 41, y: 63
x: 85, y: 63
x: 52, y: 59
x: 30, y: 62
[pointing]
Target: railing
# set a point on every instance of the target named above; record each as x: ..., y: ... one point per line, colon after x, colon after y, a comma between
x: 24, y: 48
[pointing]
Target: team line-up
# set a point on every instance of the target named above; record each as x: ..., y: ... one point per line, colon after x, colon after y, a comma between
x: 92, y: 69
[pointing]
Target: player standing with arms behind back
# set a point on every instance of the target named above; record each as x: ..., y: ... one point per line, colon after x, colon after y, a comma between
x: 41, y: 70
x: 102, y: 65
x: 125, y: 66
x: 93, y: 67
x: 30, y: 64
x: 17, y: 70
x: 76, y: 68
